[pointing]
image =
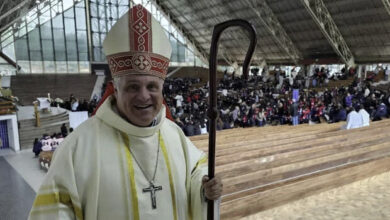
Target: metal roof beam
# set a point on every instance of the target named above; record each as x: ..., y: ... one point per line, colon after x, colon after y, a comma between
x: 22, y: 12
x: 190, y: 40
x: 2, y: 6
x: 386, y: 3
x: 323, y: 19
x: 20, y: 5
x: 233, y: 35
x: 268, y: 18
x: 208, y: 6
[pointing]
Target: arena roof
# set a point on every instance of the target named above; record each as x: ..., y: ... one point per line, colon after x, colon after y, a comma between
x: 289, y: 31
x: 11, y: 11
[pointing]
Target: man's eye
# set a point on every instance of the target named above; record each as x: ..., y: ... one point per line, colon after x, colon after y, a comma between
x: 132, y: 87
x: 152, y: 87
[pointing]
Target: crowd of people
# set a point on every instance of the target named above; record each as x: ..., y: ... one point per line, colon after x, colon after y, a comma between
x: 268, y: 100
x: 263, y: 100
x: 75, y: 104
x: 50, y: 142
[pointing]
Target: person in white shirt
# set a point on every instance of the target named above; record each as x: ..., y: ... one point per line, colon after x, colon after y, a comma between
x: 75, y: 104
x: 366, y: 92
x: 179, y: 100
x: 354, y: 120
x: 365, y: 117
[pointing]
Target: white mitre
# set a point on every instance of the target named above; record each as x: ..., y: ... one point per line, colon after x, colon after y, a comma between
x: 137, y: 44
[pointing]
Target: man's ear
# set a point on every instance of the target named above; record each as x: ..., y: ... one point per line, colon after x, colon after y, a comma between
x: 115, y: 85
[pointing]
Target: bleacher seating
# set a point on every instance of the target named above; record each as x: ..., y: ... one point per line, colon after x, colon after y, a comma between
x: 270, y: 166
x: 335, y: 83
x: 30, y: 86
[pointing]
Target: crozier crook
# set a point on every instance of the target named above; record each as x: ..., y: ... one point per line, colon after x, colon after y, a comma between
x: 213, y: 111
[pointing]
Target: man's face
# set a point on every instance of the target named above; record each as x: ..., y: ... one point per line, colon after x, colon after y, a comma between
x: 139, y: 98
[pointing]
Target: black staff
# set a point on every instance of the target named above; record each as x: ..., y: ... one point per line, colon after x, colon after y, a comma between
x: 213, y: 111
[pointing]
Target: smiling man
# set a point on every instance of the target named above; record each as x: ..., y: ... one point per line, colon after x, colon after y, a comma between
x: 139, y: 98
x: 129, y: 161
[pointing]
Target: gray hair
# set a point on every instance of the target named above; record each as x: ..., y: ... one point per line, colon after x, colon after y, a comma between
x: 116, y: 81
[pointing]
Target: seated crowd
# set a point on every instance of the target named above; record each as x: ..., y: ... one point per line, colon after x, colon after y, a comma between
x: 49, y: 143
x: 267, y: 100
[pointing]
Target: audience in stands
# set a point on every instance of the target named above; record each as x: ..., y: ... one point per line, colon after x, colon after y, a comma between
x: 267, y: 100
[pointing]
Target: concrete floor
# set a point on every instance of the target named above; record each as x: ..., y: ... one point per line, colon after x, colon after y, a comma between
x: 16, y: 196
x: 27, y: 165
x: 20, y: 178
x: 20, y: 174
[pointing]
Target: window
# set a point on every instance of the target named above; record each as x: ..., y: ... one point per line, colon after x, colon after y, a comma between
x: 73, y: 67
x: 61, y: 67
x: 9, y: 50
x: 34, y: 40
x: 71, y: 50
x: 57, y: 22
x: 67, y: 3
x: 36, y: 67
x: 80, y: 19
x: 70, y: 29
x: 46, y: 31
x: 47, y: 50
x: 82, y: 41
x: 24, y: 66
x: 45, y: 15
x: 21, y: 49
x: 49, y: 66
x: 69, y: 13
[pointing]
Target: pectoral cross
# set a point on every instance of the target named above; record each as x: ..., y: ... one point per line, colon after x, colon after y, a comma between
x: 152, y: 189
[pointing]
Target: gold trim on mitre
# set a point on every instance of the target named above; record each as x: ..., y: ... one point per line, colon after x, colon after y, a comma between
x: 135, y: 62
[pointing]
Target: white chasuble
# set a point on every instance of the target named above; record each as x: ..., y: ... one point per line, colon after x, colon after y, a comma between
x: 95, y: 175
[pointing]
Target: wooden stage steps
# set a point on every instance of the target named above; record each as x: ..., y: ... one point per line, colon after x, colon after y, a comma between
x: 270, y: 166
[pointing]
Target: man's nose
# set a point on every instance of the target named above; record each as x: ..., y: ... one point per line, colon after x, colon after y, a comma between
x: 144, y: 94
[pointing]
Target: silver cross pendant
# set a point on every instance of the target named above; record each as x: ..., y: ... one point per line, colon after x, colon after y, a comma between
x: 152, y: 189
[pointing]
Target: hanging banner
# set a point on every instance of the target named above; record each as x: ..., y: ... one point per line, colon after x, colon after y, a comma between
x: 295, y: 94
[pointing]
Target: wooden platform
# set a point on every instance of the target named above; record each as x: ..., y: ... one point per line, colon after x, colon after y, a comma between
x: 270, y: 166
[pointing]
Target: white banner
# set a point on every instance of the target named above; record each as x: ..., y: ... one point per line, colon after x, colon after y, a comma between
x: 76, y: 118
